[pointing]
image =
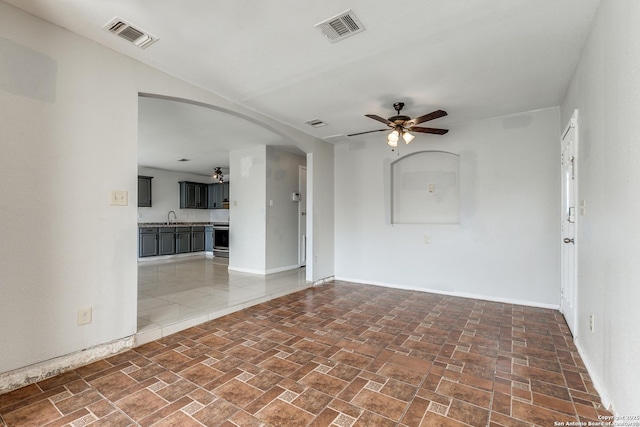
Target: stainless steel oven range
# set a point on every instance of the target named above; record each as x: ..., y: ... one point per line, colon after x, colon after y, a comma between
x: 221, y: 239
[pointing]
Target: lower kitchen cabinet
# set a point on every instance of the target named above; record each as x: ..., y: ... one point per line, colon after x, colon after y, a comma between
x: 208, y: 239
x: 167, y: 241
x: 154, y: 241
x: 197, y: 239
x: 183, y: 240
x: 148, y: 242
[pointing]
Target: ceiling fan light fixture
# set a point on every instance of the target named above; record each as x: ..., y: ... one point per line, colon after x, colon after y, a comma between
x: 401, y: 124
x: 217, y: 174
x: 407, y: 137
x: 393, y: 137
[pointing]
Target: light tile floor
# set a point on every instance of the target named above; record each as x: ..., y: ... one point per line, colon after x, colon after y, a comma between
x: 175, y: 294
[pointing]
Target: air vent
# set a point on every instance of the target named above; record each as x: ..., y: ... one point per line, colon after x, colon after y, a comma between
x: 341, y: 26
x: 123, y: 29
x: 316, y: 123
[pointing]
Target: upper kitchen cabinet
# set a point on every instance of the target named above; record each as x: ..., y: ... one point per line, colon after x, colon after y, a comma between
x: 219, y: 196
x: 193, y: 195
x: 144, y: 191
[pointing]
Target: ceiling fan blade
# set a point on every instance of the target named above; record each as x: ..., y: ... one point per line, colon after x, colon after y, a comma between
x: 431, y: 116
x: 369, y: 131
x: 380, y: 119
x: 428, y: 130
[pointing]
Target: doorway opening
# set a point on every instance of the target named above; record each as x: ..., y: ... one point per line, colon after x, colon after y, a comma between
x: 187, y: 289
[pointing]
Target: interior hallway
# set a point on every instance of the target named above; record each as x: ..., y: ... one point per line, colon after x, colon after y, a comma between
x: 339, y: 354
x: 177, y: 293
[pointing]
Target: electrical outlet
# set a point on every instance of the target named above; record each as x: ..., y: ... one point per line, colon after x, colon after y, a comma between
x: 432, y: 188
x: 427, y: 239
x: 591, y: 323
x: 84, y: 316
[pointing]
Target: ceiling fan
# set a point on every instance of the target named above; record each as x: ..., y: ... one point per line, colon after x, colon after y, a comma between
x: 402, y: 125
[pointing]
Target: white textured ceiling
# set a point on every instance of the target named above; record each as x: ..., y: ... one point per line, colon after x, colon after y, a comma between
x: 473, y: 58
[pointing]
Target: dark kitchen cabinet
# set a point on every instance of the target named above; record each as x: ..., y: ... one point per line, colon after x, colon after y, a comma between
x: 167, y: 241
x: 183, y: 240
x: 144, y: 191
x: 197, y: 239
x: 208, y: 239
x: 219, y: 196
x: 148, y: 242
x: 225, y: 193
x: 193, y: 195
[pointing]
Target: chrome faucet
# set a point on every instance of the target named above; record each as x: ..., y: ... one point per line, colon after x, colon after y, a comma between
x: 175, y: 218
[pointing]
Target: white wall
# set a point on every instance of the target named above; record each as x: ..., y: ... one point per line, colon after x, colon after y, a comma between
x: 64, y: 149
x: 282, y: 214
x: 264, y: 230
x: 506, y: 245
x: 68, y: 128
x: 247, y: 241
x: 606, y: 91
x: 165, y: 197
x: 321, y: 206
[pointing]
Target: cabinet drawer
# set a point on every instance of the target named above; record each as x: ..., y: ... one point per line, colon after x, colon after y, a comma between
x: 148, y: 230
x: 183, y: 229
x: 199, y: 228
x: 168, y: 230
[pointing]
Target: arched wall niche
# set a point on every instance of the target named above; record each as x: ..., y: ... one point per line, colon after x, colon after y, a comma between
x: 425, y: 188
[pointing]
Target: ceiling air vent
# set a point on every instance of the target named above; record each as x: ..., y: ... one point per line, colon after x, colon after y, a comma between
x: 123, y: 29
x: 316, y: 123
x: 340, y: 26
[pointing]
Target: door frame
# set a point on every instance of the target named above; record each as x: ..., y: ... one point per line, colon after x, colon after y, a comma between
x: 569, y: 229
x: 302, y: 216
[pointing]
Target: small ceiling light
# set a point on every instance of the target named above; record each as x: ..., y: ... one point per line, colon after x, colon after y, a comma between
x: 217, y: 174
x: 407, y: 137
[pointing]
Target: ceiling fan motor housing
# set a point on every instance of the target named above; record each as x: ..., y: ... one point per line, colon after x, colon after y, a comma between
x: 398, y: 119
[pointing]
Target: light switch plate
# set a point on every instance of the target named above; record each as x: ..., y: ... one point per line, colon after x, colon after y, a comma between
x: 119, y: 198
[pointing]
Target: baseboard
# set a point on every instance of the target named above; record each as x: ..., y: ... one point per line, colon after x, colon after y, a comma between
x: 246, y: 270
x: 455, y: 294
x: 595, y: 379
x: 281, y: 269
x: 263, y: 272
x: 323, y: 281
x: 40, y: 371
x: 174, y: 256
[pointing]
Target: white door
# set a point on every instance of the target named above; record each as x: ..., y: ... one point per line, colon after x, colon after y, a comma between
x: 568, y: 220
x: 302, y: 216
